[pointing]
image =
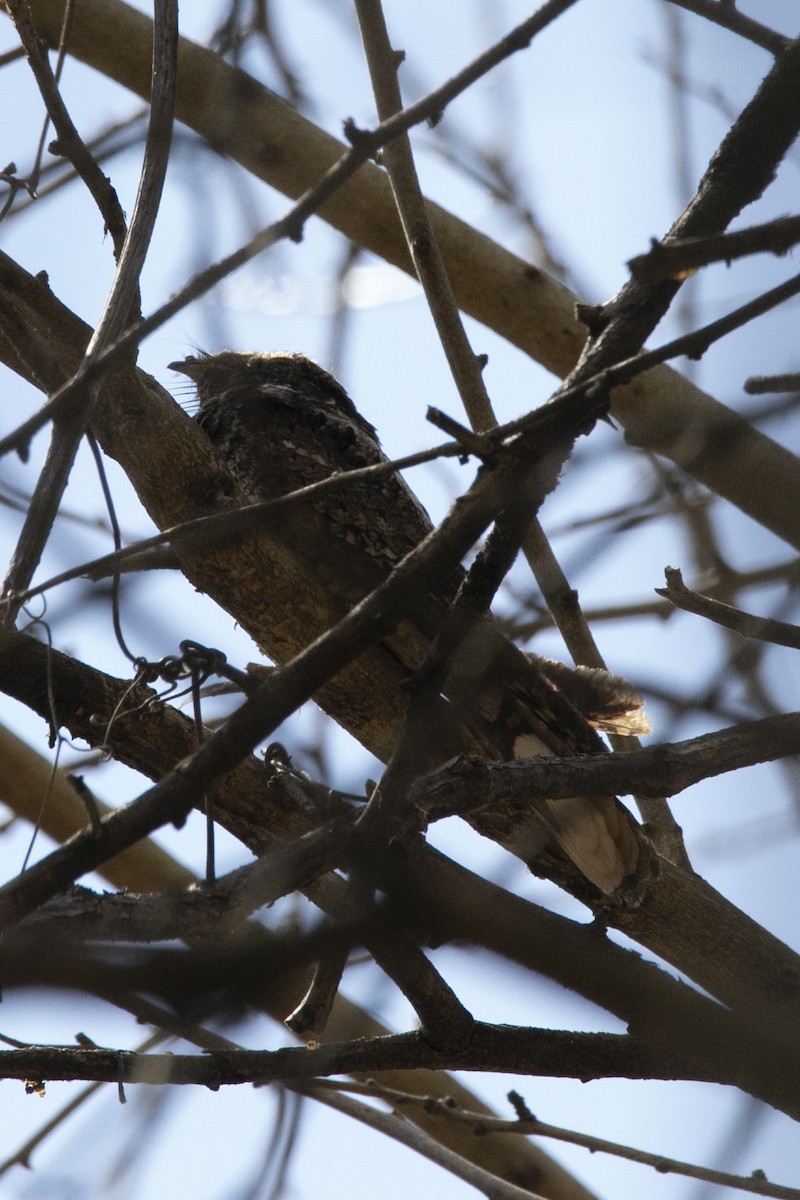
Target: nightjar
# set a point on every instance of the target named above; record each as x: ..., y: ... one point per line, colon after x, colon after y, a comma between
x: 281, y: 422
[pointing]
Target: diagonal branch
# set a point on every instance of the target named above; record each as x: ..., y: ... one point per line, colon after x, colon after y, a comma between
x: 530, y: 471
x: 256, y: 129
x: 174, y: 467
x: 70, y: 144
x: 122, y: 300
x: 780, y: 633
x: 652, y: 771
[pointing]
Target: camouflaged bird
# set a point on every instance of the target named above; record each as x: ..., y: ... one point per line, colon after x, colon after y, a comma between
x: 281, y: 422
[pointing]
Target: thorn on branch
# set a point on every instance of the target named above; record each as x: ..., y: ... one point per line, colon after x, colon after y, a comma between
x: 593, y: 316
x: 473, y: 443
x: 361, y: 140
x: 521, y: 1109
x: 89, y: 801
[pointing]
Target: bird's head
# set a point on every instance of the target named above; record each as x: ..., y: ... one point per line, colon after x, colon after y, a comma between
x: 276, y: 376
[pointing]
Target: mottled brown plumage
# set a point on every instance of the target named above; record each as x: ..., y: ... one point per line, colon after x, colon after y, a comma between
x: 282, y: 422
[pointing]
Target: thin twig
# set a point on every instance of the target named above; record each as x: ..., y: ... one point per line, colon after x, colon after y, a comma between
x: 70, y: 144
x: 758, y: 384
x: 291, y: 685
x: 528, y: 1125
x: 67, y: 433
x: 729, y: 17
x: 764, y: 629
x: 465, y: 366
x: 675, y: 258
x: 22, y: 1156
x: 395, y: 1127
x: 365, y: 144
x: 692, y: 344
x: 231, y: 523
x: 390, y: 804
x: 785, y: 572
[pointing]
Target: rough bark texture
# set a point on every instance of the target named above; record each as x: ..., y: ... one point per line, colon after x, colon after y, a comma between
x: 660, y: 411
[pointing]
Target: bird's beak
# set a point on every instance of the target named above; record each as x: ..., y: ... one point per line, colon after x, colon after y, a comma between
x: 188, y: 366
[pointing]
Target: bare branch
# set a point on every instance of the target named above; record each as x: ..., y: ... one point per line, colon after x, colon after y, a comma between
x: 464, y: 365
x: 226, y: 525
x: 122, y: 301
x: 496, y: 287
x: 728, y: 16
x: 528, y: 1125
x: 654, y: 770
x: 762, y: 628
x: 772, y: 383
x: 682, y: 256
x: 70, y: 144
x: 513, y: 1049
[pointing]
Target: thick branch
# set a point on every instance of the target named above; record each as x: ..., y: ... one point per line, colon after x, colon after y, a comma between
x: 294, y: 683
x: 653, y: 771
x: 662, y: 411
x: 507, y: 1049
x: 681, y: 919
x: 454, y: 904
x: 148, y: 867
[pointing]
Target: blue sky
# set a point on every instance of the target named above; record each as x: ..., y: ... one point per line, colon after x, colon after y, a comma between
x: 585, y: 120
